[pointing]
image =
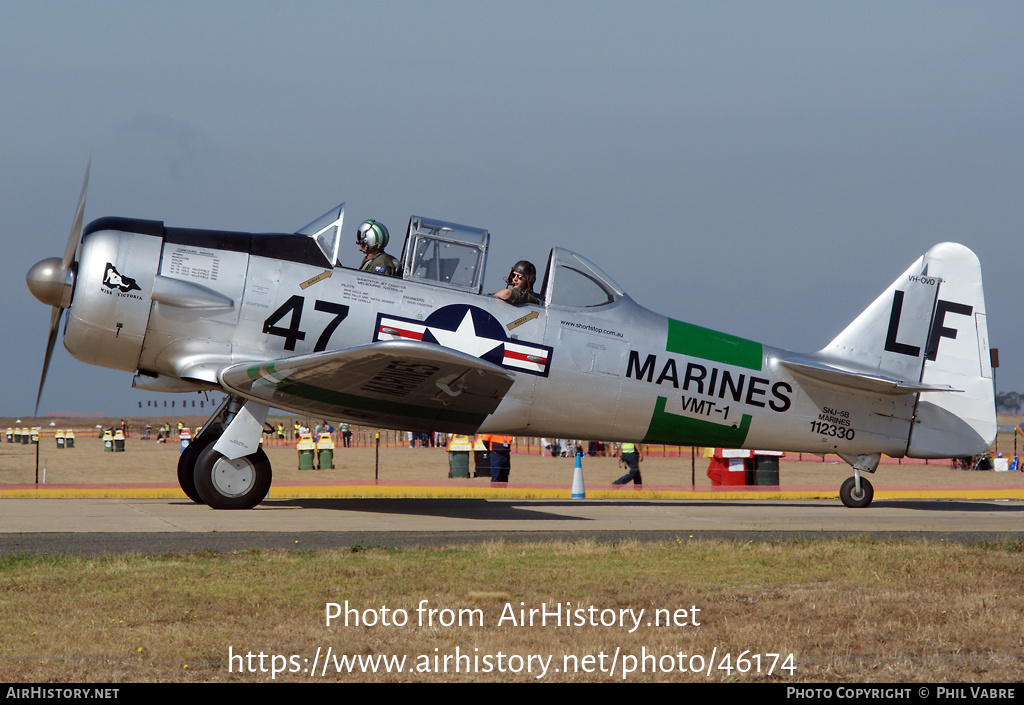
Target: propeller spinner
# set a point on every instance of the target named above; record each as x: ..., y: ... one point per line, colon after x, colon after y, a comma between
x: 52, y: 281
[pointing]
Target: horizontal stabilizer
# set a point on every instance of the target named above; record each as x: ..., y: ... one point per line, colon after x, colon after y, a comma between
x: 864, y: 380
x: 394, y: 384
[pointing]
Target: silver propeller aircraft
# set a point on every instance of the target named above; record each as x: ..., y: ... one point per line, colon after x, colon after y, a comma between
x: 275, y: 321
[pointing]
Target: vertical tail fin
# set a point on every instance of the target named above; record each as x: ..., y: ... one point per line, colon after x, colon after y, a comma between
x: 929, y: 327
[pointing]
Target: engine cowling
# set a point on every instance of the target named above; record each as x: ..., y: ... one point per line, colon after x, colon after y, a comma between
x: 112, y: 298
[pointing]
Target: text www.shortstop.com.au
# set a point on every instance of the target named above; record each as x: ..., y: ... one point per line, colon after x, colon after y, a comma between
x: 608, y: 662
x: 612, y: 664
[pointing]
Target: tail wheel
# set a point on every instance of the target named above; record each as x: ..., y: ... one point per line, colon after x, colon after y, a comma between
x: 187, y: 465
x: 851, y: 497
x: 241, y: 483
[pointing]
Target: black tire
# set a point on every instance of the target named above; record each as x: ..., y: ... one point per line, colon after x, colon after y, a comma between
x: 232, y: 484
x: 187, y: 464
x: 851, y: 498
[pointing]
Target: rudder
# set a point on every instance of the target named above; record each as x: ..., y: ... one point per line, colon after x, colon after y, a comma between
x: 950, y: 424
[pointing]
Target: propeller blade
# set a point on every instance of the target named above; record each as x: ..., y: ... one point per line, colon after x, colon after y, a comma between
x: 76, y: 228
x: 70, y: 254
x: 50, y: 344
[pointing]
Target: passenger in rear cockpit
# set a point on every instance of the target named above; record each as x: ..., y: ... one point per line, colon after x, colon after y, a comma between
x: 372, y: 238
x: 520, y: 284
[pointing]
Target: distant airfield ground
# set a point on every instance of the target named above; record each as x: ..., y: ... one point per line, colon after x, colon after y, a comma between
x: 147, y: 469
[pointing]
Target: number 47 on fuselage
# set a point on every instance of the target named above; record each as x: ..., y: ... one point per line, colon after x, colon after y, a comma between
x: 275, y: 322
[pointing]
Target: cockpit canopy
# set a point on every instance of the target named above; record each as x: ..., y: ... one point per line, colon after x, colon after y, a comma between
x: 445, y: 254
x: 573, y: 281
x: 326, y: 230
x: 454, y: 256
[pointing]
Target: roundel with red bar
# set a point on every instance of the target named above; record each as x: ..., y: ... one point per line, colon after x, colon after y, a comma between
x: 470, y: 330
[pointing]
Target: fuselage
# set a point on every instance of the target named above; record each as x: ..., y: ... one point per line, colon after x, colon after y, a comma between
x: 178, y: 306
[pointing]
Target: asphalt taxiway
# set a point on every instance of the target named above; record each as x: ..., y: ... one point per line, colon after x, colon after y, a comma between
x: 148, y: 525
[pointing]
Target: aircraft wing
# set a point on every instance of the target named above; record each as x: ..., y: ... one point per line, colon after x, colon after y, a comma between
x: 851, y: 378
x: 394, y: 384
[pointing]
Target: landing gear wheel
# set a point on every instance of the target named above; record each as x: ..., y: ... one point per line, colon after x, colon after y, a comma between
x: 851, y: 497
x: 187, y: 465
x: 241, y: 483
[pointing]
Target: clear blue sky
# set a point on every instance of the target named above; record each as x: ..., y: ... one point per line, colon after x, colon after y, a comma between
x: 765, y: 169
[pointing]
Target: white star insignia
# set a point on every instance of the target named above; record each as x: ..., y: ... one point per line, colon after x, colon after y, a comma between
x: 464, y: 338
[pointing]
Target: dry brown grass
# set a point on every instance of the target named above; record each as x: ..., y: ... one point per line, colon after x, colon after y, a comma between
x: 849, y: 610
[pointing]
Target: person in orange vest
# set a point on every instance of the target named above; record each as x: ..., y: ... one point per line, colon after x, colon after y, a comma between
x: 500, y: 452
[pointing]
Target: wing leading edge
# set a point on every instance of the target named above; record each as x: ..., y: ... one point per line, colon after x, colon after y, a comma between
x: 396, y: 384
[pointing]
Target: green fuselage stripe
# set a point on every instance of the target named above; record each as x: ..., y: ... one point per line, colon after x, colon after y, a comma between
x: 707, y: 344
x: 672, y: 429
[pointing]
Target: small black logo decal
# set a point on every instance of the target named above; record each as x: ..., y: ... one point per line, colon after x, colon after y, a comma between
x: 112, y: 279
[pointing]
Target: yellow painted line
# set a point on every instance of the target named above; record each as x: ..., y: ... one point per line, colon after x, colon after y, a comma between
x: 412, y: 492
x: 1002, y: 493
x: 527, y: 493
x: 95, y: 493
x: 461, y: 492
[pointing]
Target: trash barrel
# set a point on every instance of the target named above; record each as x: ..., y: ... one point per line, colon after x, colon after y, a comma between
x: 727, y: 471
x: 307, y: 451
x: 325, y: 452
x: 108, y: 442
x: 119, y: 441
x: 459, y: 448
x: 766, y: 470
x: 458, y: 464
x: 325, y: 458
x: 481, y: 463
x: 59, y: 437
x: 69, y: 439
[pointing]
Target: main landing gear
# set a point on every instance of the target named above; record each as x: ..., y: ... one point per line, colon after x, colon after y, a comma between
x: 208, y: 477
x: 856, y: 492
x: 853, y: 497
x: 241, y: 483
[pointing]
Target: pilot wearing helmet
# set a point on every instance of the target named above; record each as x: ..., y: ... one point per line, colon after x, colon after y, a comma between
x: 520, y: 284
x: 372, y: 238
